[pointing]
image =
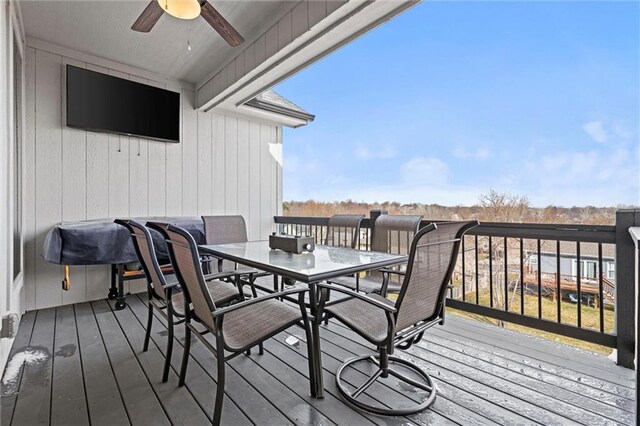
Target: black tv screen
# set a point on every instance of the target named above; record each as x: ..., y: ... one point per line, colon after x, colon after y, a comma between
x: 104, y: 103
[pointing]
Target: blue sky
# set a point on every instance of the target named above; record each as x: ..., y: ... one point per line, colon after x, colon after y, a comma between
x: 451, y: 99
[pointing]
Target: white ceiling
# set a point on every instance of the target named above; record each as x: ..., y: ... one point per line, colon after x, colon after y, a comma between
x: 103, y: 28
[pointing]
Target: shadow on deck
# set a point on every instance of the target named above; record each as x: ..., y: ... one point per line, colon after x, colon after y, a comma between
x: 83, y: 363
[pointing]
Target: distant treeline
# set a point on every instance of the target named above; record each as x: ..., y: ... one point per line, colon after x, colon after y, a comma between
x: 493, y: 207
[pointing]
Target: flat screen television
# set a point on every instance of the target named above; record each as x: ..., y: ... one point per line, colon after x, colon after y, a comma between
x: 104, y: 103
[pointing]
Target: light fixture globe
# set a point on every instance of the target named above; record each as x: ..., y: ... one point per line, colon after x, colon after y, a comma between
x: 182, y: 9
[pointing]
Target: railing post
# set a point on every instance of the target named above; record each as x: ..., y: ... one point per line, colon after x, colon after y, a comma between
x: 625, y: 286
x: 635, y: 237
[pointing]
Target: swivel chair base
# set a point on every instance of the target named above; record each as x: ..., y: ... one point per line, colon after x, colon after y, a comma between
x: 351, y: 397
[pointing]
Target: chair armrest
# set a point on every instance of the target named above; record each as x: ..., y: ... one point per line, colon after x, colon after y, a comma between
x: 219, y: 312
x: 392, y: 271
x: 360, y: 296
x: 172, y: 285
x: 219, y: 275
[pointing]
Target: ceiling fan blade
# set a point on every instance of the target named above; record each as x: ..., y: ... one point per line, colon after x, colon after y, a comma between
x: 217, y: 21
x: 148, y: 17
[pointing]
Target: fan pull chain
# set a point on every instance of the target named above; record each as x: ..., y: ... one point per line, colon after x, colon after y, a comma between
x: 189, y: 40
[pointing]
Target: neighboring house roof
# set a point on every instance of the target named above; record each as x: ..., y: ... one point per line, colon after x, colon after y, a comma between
x: 568, y: 249
x: 273, y: 102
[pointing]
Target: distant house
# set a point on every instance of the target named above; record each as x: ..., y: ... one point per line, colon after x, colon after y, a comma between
x: 588, y: 269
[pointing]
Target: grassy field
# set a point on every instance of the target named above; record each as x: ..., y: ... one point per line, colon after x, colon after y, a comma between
x: 590, y: 318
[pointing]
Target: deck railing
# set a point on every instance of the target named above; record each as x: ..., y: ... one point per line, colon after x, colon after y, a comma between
x: 494, y: 276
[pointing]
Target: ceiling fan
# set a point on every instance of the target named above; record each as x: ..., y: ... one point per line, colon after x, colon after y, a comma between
x: 187, y: 9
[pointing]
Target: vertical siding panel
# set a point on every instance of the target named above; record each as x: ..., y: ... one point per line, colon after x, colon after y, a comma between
x: 48, y: 205
x: 231, y: 163
x: 333, y: 5
x: 219, y: 164
x: 254, y: 183
x: 279, y: 167
x: 300, y: 19
x: 273, y: 187
x: 260, y: 50
x: 189, y: 157
x: 265, y: 179
x: 119, y: 147
x: 249, y: 59
x: 98, y: 149
x: 97, y: 169
x: 243, y: 169
x: 317, y: 11
x: 138, y: 171
x: 157, y: 174
x: 174, y: 167
x: 284, y: 31
x: 271, y: 39
x: 29, y: 196
x: 74, y: 184
x: 204, y: 163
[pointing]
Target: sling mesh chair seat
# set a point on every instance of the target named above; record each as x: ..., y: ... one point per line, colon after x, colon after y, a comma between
x: 389, y: 325
x: 230, y: 229
x: 237, y: 327
x: 166, y: 297
x: 391, y: 234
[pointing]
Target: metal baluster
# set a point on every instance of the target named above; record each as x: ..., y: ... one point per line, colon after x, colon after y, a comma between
x: 490, y: 273
x: 506, y: 277
x: 579, y: 283
x: 521, y: 277
x: 477, y: 276
x: 464, y: 286
x: 558, y: 278
x: 600, y: 288
x: 539, y: 281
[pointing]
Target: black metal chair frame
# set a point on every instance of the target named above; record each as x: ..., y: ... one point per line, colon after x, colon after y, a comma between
x: 250, y: 273
x: 155, y: 300
x: 218, y: 315
x: 401, y: 339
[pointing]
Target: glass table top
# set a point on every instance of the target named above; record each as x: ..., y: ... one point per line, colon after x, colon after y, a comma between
x: 323, y: 263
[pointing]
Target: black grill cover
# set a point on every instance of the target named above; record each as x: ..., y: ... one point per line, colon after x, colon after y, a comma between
x: 100, y: 242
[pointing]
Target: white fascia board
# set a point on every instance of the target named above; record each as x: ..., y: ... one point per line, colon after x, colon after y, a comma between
x: 268, y: 116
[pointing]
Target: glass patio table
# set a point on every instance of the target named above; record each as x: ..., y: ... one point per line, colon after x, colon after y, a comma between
x: 324, y: 263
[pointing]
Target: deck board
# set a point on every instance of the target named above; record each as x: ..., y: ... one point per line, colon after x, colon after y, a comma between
x: 91, y: 370
x: 68, y: 384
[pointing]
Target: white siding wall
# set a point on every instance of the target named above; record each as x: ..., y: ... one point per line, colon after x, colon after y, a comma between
x: 225, y: 164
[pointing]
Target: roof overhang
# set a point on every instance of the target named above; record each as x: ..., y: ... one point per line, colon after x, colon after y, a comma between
x: 291, y: 50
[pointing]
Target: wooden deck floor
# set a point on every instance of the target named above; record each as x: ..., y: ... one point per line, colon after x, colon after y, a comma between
x: 83, y: 364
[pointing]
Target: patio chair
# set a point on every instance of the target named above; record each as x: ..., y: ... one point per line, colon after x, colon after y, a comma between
x: 343, y: 230
x: 230, y: 229
x: 160, y: 292
x: 391, y: 233
x: 400, y: 324
x: 237, y: 327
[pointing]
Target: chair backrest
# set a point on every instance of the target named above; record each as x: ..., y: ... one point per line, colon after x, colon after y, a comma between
x: 224, y: 229
x: 343, y: 230
x: 433, y: 256
x: 394, y: 233
x: 143, y: 244
x: 183, y: 251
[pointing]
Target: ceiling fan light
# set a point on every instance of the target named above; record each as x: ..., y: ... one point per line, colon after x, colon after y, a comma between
x: 182, y: 9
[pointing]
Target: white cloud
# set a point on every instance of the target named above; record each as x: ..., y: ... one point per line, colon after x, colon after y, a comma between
x: 425, y: 170
x: 477, y: 154
x: 596, y: 131
x: 365, y: 153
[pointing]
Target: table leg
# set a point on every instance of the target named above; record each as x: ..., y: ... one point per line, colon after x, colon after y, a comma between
x: 316, y: 351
